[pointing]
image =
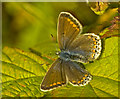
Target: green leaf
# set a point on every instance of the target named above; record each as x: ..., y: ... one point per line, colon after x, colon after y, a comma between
x: 47, y: 50
x: 23, y: 72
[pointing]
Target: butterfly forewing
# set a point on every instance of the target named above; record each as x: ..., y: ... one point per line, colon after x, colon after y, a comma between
x: 68, y: 28
x: 55, y: 76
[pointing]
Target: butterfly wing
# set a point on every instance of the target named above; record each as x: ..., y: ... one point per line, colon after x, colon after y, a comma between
x: 88, y: 46
x: 75, y: 74
x: 68, y: 28
x: 55, y: 76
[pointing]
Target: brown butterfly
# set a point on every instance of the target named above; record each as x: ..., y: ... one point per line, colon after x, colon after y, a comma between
x: 75, y: 47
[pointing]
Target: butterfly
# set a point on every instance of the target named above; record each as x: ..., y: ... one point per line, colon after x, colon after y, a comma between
x: 75, y: 48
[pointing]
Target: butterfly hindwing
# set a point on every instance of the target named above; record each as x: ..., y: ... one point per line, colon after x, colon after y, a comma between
x: 76, y: 75
x: 55, y: 76
x: 68, y: 28
x: 88, y: 46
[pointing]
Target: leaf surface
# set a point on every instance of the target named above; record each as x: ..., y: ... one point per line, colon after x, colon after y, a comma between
x: 22, y: 73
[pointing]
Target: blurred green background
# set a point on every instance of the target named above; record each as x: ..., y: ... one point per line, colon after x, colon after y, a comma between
x: 27, y: 24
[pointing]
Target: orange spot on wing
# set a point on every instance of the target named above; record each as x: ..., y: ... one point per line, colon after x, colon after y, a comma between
x: 77, y: 29
x: 74, y: 25
x: 50, y: 84
x: 93, y: 51
x: 73, y: 81
x: 92, y: 55
x: 58, y: 83
x: 54, y: 83
x: 85, y: 74
x: 78, y: 81
x: 95, y: 43
x: 68, y: 19
x: 89, y: 37
x: 83, y: 77
x: 93, y: 39
x: 81, y: 80
x: 71, y: 22
x: 94, y: 46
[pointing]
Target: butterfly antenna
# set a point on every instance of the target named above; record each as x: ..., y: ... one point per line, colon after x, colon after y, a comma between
x: 53, y: 38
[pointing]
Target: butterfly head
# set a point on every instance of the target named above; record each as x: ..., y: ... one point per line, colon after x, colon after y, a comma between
x: 57, y: 53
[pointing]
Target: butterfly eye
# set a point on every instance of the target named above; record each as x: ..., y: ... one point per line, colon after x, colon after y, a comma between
x: 57, y: 53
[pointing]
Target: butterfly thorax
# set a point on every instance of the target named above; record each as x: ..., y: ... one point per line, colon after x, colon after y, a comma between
x: 72, y: 56
x: 65, y: 55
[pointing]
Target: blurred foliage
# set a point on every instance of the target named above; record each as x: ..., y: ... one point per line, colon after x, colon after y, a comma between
x: 99, y: 7
x: 28, y: 24
x: 32, y: 26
